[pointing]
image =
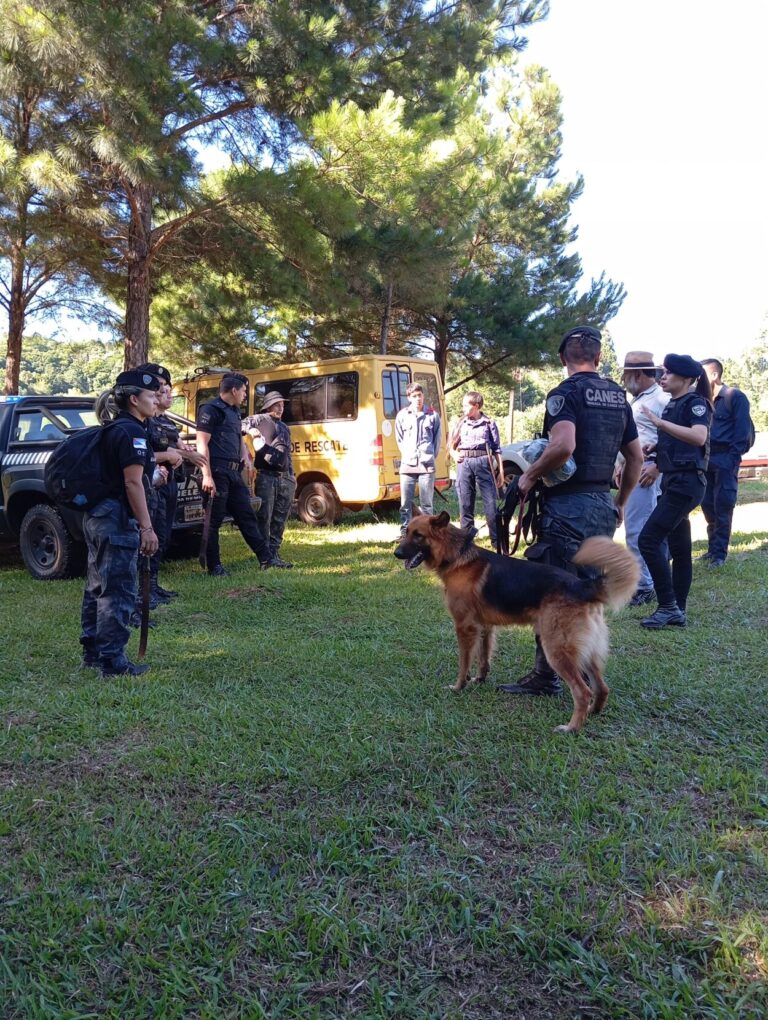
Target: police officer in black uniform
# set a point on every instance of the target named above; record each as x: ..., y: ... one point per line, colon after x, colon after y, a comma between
x: 682, y: 452
x: 587, y: 417
x: 176, y: 458
x: 220, y: 441
x: 118, y: 528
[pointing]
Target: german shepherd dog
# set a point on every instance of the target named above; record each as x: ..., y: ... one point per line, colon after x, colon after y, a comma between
x: 484, y: 590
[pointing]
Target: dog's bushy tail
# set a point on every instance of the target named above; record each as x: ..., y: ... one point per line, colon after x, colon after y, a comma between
x: 621, y: 571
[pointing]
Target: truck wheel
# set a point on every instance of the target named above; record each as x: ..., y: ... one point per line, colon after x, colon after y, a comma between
x: 47, y: 548
x: 319, y: 505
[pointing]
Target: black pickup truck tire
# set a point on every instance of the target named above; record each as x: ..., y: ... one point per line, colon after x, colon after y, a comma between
x: 47, y: 548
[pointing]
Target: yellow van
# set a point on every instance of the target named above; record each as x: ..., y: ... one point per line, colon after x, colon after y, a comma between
x: 341, y: 414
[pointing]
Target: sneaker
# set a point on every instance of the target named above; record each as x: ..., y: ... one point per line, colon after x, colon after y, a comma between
x: 642, y: 597
x: 122, y: 667
x: 665, y: 616
x: 218, y: 571
x: 535, y: 684
x: 280, y: 564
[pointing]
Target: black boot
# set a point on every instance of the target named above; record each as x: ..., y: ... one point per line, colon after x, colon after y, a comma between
x: 157, y: 595
x: 90, y: 656
x: 166, y: 593
x: 121, y: 666
x: 665, y: 616
x: 541, y: 681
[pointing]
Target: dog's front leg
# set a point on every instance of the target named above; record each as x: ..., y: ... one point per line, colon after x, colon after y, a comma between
x: 467, y: 638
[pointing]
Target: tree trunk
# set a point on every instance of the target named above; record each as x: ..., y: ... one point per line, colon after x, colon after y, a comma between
x: 139, y: 294
x: 385, y: 321
x: 442, y: 343
x: 16, y: 315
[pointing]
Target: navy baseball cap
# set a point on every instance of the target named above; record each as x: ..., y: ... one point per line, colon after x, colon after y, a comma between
x: 139, y: 378
x: 587, y: 332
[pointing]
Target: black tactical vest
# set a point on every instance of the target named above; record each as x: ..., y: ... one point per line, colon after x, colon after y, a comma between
x: 601, y: 417
x: 226, y: 435
x: 162, y: 433
x: 672, y: 454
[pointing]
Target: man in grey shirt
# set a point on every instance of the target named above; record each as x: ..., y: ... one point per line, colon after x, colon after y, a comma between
x: 417, y: 431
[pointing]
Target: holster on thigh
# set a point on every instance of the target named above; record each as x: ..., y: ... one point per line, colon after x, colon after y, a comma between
x: 549, y: 553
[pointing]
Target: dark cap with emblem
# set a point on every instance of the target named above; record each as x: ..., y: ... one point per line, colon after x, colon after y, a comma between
x: 140, y: 379
x: 155, y: 369
x: 683, y: 365
x: 579, y: 333
x: 272, y: 398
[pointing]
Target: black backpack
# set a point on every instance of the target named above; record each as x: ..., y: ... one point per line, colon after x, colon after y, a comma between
x: 75, y: 475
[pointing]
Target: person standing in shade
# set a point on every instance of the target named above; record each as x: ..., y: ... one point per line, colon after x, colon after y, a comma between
x: 681, y: 455
x: 476, y: 448
x: 640, y: 381
x: 171, y: 454
x: 275, y: 481
x: 586, y: 417
x: 730, y: 438
x: 119, y: 528
x: 220, y: 441
x: 417, y: 431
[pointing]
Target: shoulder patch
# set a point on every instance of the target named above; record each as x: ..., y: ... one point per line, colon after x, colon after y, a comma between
x: 555, y: 405
x: 139, y: 444
x: 699, y: 410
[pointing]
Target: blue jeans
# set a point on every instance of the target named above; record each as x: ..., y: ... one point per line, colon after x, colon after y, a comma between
x: 640, y: 505
x: 426, y: 483
x: 277, y: 492
x: 109, y: 598
x: 472, y: 474
x: 719, y: 501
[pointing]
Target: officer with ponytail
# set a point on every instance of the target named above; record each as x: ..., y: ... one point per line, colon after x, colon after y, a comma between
x: 681, y: 453
x: 119, y: 527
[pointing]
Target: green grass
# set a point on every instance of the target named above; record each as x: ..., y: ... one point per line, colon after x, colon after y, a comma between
x: 291, y: 816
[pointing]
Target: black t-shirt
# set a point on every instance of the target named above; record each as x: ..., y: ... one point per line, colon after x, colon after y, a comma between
x: 124, y: 443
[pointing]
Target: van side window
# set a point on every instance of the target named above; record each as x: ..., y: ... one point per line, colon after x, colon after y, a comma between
x: 394, y: 381
x: 204, y: 395
x: 315, y: 398
x: 342, y: 396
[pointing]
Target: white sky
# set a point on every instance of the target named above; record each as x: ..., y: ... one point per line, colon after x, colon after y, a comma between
x: 664, y: 107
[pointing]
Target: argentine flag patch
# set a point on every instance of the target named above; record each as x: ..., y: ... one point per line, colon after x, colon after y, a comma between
x: 140, y: 444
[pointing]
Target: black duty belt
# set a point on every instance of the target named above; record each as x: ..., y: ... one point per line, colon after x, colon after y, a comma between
x: 719, y: 447
x: 226, y: 465
x: 473, y: 453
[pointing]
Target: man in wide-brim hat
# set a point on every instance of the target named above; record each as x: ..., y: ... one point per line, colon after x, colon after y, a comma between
x: 275, y: 482
x: 640, y: 382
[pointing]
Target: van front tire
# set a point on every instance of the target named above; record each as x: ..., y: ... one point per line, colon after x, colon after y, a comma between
x: 319, y: 505
x: 47, y: 548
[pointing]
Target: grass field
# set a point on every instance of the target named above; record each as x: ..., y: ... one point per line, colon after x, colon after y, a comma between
x: 291, y: 816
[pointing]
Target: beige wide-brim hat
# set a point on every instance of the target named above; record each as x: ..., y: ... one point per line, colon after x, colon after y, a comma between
x: 639, y: 361
x: 272, y: 398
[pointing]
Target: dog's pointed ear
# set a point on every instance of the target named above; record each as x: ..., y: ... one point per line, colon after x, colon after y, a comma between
x: 416, y: 512
x: 442, y: 520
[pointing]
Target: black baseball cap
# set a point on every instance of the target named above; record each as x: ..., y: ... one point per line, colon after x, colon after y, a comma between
x: 139, y: 378
x: 587, y: 332
x: 155, y: 369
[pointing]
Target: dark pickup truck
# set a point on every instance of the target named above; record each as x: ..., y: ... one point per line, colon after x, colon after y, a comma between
x: 51, y: 537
